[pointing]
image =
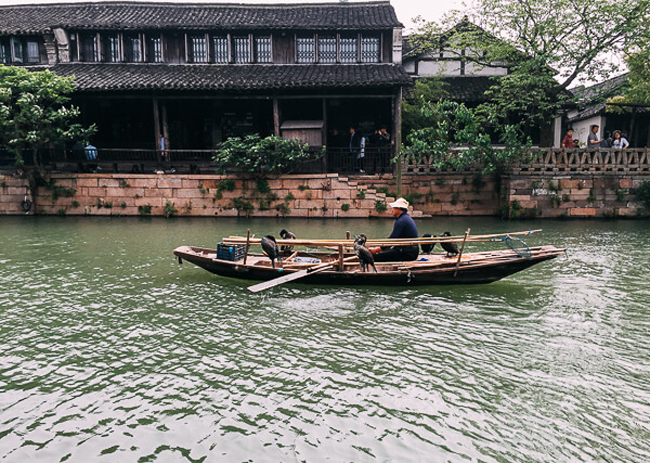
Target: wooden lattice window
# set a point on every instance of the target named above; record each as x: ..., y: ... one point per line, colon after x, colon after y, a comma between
x: 154, y: 50
x: 327, y: 49
x: 242, y: 49
x: 305, y: 49
x: 263, y: 49
x: 198, y: 49
x: 220, y: 49
x: 349, y: 49
x: 370, y: 51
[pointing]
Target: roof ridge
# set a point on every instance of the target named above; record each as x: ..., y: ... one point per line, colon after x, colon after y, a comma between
x: 197, y: 5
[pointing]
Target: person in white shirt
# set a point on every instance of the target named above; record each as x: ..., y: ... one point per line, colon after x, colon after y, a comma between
x: 619, y: 142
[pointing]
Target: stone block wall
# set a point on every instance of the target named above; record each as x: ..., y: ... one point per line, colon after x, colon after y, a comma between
x: 326, y: 195
x: 13, y: 191
x: 445, y: 194
x: 574, y: 196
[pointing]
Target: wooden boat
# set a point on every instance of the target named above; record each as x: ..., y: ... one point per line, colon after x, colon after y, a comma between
x: 339, y: 265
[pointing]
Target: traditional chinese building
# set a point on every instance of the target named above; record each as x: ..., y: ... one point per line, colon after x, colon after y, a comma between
x: 163, y: 76
x: 463, y: 79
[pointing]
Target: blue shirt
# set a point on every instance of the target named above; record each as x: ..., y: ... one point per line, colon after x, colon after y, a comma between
x: 91, y: 152
x: 404, y: 227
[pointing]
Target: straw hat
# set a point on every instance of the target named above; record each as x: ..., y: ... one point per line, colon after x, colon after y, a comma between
x: 401, y: 203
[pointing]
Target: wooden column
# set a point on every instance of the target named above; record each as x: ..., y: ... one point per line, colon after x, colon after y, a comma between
x: 276, y: 117
x: 324, y: 133
x: 397, y: 130
x: 156, y: 123
x: 165, y: 126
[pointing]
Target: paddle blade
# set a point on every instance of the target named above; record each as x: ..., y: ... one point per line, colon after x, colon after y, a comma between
x: 277, y: 281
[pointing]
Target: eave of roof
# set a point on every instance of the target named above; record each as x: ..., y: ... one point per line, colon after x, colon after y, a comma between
x: 102, y: 77
x: 41, y: 18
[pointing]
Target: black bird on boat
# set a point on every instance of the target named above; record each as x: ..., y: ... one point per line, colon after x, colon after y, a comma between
x: 287, y: 235
x: 427, y: 248
x: 451, y: 248
x: 270, y: 248
x: 365, y: 256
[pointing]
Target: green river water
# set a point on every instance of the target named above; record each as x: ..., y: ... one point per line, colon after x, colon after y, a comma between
x: 112, y: 352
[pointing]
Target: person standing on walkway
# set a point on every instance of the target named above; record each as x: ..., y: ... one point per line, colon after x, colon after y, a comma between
x: 619, y: 141
x: 592, y: 140
x: 568, y: 142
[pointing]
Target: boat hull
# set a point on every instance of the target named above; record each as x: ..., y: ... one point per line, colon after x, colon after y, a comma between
x: 471, y: 271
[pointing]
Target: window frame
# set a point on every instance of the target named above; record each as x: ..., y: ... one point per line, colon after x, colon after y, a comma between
x: 248, y: 47
x: 150, y: 48
x: 304, y: 36
x: 256, y: 54
x: 114, y: 51
x: 227, y: 55
x: 362, y: 51
x: 16, y: 50
x: 128, y: 55
x: 32, y: 45
x: 320, y: 37
x: 5, y: 52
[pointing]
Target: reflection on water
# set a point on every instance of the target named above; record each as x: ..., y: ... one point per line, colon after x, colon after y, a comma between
x: 110, y: 351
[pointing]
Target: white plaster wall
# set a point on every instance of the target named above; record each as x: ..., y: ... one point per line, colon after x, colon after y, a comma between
x: 438, y: 68
x: 397, y: 45
x: 472, y: 69
x: 581, y: 128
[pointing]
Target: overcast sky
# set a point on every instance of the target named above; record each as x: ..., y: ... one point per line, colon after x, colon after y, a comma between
x: 406, y: 9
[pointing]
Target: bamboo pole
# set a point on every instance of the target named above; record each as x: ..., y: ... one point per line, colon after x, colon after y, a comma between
x: 248, y: 244
x: 461, y: 252
x: 382, y: 242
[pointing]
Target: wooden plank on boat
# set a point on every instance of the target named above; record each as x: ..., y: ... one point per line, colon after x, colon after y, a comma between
x: 295, y: 276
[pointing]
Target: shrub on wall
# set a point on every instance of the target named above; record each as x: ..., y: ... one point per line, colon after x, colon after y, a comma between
x: 642, y: 193
x: 257, y: 155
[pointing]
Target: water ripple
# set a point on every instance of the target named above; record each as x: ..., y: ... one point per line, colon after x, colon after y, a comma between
x: 111, y: 351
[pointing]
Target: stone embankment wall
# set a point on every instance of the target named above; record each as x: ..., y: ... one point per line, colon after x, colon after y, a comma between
x: 325, y: 195
x: 529, y: 194
x: 13, y: 191
x: 574, y: 196
x: 445, y: 194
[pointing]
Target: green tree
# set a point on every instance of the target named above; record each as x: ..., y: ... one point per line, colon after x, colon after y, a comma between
x: 425, y: 90
x: 34, y: 111
x: 254, y: 154
x: 637, y: 91
x: 547, y: 44
x: 454, y: 125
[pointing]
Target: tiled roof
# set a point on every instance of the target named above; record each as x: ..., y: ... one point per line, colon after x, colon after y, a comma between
x: 125, y: 77
x: 592, y: 100
x: 33, y: 19
x: 467, y: 88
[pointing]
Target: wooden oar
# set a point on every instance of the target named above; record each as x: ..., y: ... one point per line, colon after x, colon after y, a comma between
x: 296, y: 275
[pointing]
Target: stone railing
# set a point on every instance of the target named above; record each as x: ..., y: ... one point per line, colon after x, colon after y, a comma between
x: 553, y: 160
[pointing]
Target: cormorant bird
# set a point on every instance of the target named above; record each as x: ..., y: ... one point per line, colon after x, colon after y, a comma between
x: 451, y: 248
x: 427, y: 248
x: 287, y: 235
x: 270, y: 248
x: 365, y: 256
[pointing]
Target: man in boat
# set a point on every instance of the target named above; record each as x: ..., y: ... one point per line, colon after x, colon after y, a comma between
x: 404, y: 228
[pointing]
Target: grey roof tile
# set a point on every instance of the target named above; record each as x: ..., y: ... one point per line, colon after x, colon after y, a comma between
x: 124, y: 77
x: 30, y: 19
